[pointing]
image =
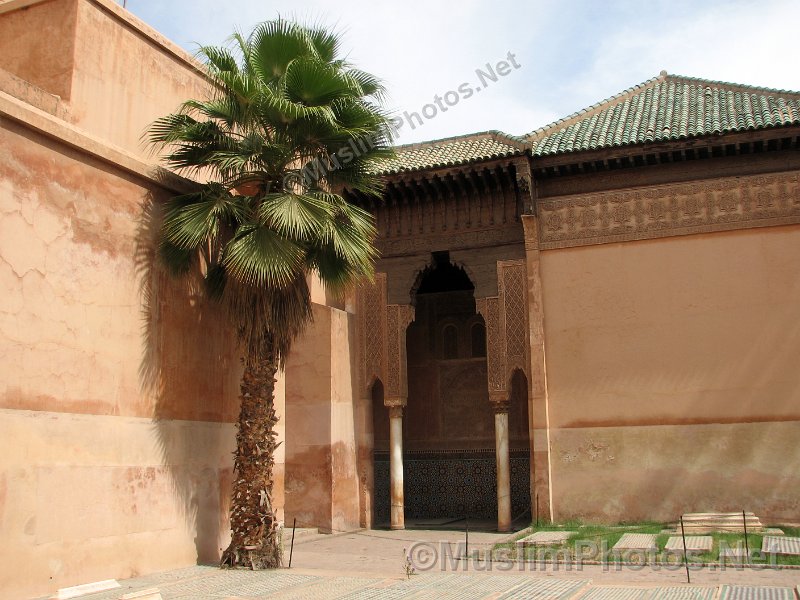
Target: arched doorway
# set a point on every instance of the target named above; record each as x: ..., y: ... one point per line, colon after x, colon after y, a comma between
x: 448, y: 426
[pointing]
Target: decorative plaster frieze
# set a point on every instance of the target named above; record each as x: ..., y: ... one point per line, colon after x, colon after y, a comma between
x: 670, y: 210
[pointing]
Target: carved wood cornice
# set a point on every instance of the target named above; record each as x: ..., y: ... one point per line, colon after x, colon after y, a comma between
x: 432, y: 241
x: 721, y: 204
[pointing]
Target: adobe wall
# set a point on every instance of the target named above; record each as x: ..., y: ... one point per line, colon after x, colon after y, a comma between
x: 118, y: 386
x: 323, y: 420
x: 111, y: 94
x: 672, y: 375
x: 45, y: 58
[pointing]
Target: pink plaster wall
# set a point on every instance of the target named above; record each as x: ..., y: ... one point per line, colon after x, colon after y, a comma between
x: 672, y: 375
x: 97, y: 460
x: 37, y: 44
x: 321, y: 477
x: 113, y: 95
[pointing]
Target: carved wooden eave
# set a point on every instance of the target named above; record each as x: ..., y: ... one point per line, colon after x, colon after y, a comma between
x: 688, y: 149
x: 468, y: 206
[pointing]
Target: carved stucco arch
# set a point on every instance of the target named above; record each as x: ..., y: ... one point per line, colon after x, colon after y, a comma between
x: 415, y: 278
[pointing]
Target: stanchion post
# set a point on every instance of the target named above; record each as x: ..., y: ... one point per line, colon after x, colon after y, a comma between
x: 466, y: 536
x: 291, y: 548
x: 746, y: 543
x: 685, y: 557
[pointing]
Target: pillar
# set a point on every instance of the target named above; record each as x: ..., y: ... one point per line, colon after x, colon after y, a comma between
x: 396, y: 466
x: 503, y: 464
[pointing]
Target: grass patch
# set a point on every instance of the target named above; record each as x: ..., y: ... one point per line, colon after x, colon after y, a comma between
x: 594, y: 542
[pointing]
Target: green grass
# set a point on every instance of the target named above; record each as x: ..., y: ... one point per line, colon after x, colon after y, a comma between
x: 601, y: 538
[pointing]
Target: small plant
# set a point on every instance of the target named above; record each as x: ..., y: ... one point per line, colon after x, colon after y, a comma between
x: 408, y: 565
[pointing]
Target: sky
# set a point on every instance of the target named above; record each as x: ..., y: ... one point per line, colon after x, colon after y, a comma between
x: 564, y: 56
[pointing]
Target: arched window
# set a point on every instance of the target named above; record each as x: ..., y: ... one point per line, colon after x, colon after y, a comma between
x: 478, y: 336
x: 450, y: 341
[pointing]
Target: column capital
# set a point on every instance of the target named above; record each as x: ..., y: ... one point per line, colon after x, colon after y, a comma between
x: 499, y: 400
x: 395, y: 401
x: 395, y: 412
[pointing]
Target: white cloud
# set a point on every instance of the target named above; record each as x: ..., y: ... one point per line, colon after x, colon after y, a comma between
x: 571, y: 55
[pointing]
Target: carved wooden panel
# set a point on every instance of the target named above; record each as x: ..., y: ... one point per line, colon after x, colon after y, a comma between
x: 398, y: 318
x: 495, y: 343
x: 668, y: 210
x: 371, y: 307
x: 513, y: 280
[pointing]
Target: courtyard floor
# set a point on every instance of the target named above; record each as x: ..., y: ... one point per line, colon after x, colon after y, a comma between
x: 371, y: 565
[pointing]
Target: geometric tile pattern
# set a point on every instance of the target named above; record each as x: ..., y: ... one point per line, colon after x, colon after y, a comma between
x: 780, y: 545
x: 614, y: 593
x: 694, y: 543
x: 335, y: 587
x: 434, y: 586
x: 683, y: 593
x: 444, y: 485
x: 751, y: 592
x: 660, y: 593
x: 545, y: 589
x: 211, y: 583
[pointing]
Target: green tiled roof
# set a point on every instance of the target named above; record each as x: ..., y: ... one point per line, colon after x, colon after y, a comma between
x: 668, y: 107
x: 454, y: 151
x: 664, y: 108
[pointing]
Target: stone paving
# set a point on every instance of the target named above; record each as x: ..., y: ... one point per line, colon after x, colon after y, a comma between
x: 781, y: 545
x: 369, y: 566
x: 211, y: 583
x: 751, y: 592
x: 661, y: 593
x: 547, y: 538
x: 636, y: 541
x: 694, y: 543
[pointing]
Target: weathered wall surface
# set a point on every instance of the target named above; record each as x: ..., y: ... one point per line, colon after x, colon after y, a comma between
x: 672, y: 375
x: 118, y: 386
x: 88, y: 497
x: 321, y: 467
x: 111, y: 94
x: 45, y: 59
x: 117, y: 94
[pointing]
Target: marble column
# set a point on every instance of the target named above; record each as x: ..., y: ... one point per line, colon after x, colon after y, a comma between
x: 503, y: 466
x: 396, y: 466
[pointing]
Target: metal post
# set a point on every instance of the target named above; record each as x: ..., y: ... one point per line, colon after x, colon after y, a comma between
x: 466, y: 533
x: 746, y: 543
x: 685, y: 558
x: 291, y: 549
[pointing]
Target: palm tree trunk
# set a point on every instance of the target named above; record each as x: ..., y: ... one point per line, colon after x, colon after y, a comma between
x: 255, y: 535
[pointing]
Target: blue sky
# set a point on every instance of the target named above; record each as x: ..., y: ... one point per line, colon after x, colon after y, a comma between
x: 570, y: 54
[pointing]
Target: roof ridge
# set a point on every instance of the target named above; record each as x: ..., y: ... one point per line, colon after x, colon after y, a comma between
x: 662, y: 77
x: 743, y: 87
x: 518, y: 141
x: 596, y: 107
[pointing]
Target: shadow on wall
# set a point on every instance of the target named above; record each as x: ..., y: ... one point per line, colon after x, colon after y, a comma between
x: 189, y: 374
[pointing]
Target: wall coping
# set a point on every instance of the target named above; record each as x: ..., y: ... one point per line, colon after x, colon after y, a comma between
x: 50, y: 126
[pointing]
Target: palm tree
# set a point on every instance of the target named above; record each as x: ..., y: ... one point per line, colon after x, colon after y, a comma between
x: 288, y: 126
